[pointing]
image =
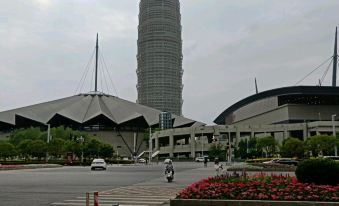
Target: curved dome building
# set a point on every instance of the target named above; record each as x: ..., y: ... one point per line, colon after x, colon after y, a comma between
x: 295, y: 104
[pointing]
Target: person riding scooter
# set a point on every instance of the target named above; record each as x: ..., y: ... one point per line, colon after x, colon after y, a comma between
x: 169, y: 171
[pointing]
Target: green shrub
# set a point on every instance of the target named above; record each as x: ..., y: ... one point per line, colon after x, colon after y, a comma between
x: 318, y: 171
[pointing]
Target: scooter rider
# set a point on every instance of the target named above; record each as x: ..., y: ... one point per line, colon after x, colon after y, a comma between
x: 169, y: 168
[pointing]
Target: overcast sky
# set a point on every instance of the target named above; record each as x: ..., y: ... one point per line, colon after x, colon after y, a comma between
x: 46, y: 44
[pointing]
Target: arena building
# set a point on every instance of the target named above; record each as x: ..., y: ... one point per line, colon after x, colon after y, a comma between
x: 109, y: 118
x: 299, y: 111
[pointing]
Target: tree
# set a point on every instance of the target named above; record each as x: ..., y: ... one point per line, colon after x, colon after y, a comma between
x: 6, y: 150
x: 217, y: 150
x: 72, y: 146
x: 92, y: 148
x: 56, y: 147
x: 321, y: 145
x: 38, y: 148
x: 24, y: 148
x: 106, y: 151
x: 242, y: 149
x: 24, y: 134
x: 267, y: 145
x: 292, y: 147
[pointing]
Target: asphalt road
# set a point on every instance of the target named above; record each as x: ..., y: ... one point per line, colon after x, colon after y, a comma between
x: 38, y: 187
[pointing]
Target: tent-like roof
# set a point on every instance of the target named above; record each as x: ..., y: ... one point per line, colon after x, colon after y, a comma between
x: 85, y: 110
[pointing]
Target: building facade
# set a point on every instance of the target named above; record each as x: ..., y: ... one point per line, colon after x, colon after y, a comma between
x: 195, y: 141
x: 159, y: 55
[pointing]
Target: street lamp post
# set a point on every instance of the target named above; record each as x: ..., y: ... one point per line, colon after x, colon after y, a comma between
x: 334, y: 134
x: 150, y: 145
x: 48, y: 138
x: 229, y: 145
x: 81, y: 139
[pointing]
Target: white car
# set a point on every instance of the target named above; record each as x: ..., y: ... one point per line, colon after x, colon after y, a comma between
x: 98, y: 163
x: 141, y: 160
x: 201, y: 159
x: 166, y: 161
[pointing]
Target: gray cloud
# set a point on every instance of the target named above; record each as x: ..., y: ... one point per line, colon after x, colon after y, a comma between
x: 46, y: 44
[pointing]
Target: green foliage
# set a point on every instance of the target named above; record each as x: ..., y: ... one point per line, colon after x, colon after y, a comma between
x: 24, y: 134
x: 56, y: 147
x: 248, y: 149
x: 24, y: 149
x: 92, y: 148
x: 267, y: 145
x: 31, y: 142
x: 106, y: 151
x: 6, y: 150
x: 242, y: 149
x: 321, y: 144
x: 37, y: 148
x: 292, y: 147
x: 318, y: 171
x: 217, y: 150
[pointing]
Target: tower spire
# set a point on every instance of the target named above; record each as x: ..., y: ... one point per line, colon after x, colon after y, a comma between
x: 256, y: 85
x: 96, y: 65
x: 335, y: 60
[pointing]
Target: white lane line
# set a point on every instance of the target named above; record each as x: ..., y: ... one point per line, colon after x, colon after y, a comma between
x: 81, y: 204
x: 130, y: 198
x: 134, y: 196
x: 123, y: 201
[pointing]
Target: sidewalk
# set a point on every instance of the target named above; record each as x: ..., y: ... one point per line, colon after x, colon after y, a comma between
x: 30, y: 166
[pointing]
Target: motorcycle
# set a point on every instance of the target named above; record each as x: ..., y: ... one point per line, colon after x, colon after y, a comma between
x: 169, y: 176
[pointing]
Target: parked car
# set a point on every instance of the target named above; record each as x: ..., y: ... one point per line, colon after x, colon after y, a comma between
x: 201, y: 159
x: 285, y: 161
x: 98, y: 164
x: 141, y: 160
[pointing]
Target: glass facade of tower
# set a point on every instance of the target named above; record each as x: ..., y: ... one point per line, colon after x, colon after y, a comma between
x: 160, y: 55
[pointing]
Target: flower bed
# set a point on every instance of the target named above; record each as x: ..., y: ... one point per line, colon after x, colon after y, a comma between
x: 259, y: 187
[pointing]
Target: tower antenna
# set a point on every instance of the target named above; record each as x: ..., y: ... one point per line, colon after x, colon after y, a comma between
x: 335, y: 60
x: 256, y: 85
x: 96, y: 65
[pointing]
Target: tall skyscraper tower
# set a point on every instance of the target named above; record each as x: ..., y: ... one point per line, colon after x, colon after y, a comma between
x: 160, y: 55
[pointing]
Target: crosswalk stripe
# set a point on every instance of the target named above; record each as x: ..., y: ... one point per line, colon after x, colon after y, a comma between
x: 122, y: 201
x: 128, y: 196
x: 81, y: 204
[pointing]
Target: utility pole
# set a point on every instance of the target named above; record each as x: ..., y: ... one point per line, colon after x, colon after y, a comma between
x: 150, y: 145
x: 335, y: 61
x: 96, y: 65
x: 334, y: 134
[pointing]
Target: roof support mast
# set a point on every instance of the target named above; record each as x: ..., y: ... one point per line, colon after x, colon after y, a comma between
x: 96, y: 65
x: 335, y: 61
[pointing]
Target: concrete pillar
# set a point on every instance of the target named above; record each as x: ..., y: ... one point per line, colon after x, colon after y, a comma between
x: 305, y: 133
x: 237, y: 137
x: 192, y: 143
x: 171, y: 144
x: 318, y: 133
x: 252, y: 134
x: 156, y: 143
x: 286, y: 134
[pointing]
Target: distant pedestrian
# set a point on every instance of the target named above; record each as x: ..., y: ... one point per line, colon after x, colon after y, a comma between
x: 205, y: 161
x: 217, y: 166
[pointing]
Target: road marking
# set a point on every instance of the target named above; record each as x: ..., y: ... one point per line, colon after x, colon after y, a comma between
x: 128, y: 196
